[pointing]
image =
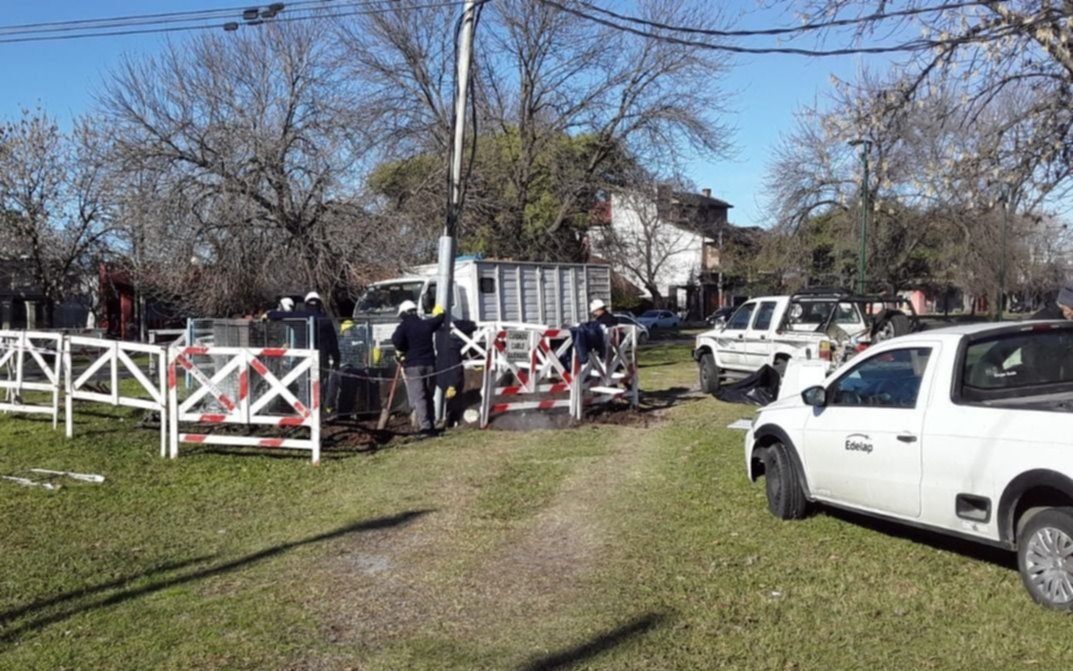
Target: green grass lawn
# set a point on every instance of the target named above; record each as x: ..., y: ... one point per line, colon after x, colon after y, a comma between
x: 633, y: 542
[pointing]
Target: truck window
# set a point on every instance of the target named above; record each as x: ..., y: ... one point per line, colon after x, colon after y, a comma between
x: 740, y: 320
x: 386, y: 298
x: 1017, y: 363
x: 847, y: 314
x: 888, y: 380
x: 762, y: 321
x: 428, y: 301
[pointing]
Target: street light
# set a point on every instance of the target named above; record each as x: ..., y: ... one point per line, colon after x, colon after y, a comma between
x: 866, y: 146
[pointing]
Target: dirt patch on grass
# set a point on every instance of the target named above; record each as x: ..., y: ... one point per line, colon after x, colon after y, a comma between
x: 464, y: 576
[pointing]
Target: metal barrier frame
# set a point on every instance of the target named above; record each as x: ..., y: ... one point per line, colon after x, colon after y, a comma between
x: 15, y: 345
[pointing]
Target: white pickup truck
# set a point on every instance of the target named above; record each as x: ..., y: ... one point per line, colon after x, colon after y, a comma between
x: 772, y: 330
x: 966, y: 430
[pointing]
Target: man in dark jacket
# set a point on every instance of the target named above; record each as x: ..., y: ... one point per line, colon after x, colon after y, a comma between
x: 600, y: 314
x: 417, y: 355
x: 1061, y: 308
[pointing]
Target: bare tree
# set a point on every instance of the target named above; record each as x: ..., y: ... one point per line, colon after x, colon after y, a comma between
x: 981, y: 55
x: 238, y: 154
x: 56, y: 201
x: 567, y: 100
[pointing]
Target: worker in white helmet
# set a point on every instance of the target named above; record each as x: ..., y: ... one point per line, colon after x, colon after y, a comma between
x: 599, y: 312
x: 327, y: 344
x: 413, y: 340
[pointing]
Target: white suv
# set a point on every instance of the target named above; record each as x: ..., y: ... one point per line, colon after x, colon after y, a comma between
x: 966, y: 430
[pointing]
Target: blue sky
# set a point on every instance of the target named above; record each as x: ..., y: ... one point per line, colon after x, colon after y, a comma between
x: 765, y: 91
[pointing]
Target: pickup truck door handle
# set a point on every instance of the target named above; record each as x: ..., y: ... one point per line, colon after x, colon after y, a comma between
x: 907, y: 438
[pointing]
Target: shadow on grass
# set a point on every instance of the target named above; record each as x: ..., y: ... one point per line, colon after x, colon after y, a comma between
x: 42, y: 604
x: 666, y: 398
x: 9, y: 635
x: 564, y: 659
x: 978, y: 551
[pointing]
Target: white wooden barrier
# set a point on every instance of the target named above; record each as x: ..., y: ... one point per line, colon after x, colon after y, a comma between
x: 116, y: 355
x: 243, y: 369
x: 614, y: 375
x: 524, y: 371
x: 31, y: 361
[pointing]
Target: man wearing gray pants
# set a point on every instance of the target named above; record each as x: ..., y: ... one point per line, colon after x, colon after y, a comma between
x: 417, y: 356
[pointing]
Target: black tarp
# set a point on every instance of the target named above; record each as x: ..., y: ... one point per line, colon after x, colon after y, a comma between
x: 760, y: 388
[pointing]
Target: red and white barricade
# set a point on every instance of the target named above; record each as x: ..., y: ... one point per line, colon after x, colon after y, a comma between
x: 31, y: 361
x: 236, y: 385
x: 614, y: 375
x: 524, y: 371
x: 119, y: 358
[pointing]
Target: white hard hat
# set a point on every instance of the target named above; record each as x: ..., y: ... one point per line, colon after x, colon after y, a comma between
x: 313, y: 296
x: 407, y: 306
x: 286, y: 304
x: 597, y: 304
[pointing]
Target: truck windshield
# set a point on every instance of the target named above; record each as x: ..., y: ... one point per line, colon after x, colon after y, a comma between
x: 386, y: 298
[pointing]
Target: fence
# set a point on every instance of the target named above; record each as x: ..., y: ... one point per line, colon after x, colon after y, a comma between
x: 31, y: 361
x: 236, y: 385
x: 116, y: 356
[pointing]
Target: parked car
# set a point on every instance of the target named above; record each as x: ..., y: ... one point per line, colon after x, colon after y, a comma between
x: 659, y: 319
x: 628, y: 319
x: 719, y: 318
x: 966, y: 431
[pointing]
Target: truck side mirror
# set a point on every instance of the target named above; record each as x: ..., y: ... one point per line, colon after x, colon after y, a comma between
x: 815, y: 396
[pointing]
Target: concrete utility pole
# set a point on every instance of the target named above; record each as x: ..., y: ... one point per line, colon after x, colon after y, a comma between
x: 446, y: 270
x: 862, y: 261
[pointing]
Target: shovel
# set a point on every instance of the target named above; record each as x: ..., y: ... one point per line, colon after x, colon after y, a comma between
x: 385, y: 412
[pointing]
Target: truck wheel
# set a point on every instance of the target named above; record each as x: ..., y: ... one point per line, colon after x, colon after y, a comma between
x: 785, y: 498
x: 1045, y: 558
x: 890, y: 325
x: 709, y: 374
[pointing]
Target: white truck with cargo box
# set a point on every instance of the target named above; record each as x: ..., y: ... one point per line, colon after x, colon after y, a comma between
x: 492, y: 291
x: 967, y: 431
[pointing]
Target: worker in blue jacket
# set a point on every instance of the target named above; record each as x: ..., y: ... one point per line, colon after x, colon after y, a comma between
x: 413, y: 340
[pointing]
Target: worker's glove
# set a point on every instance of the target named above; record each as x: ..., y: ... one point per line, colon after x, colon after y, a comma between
x: 451, y: 393
x: 438, y: 310
x: 401, y: 358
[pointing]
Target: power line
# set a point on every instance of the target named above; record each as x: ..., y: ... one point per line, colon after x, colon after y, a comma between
x: 772, y: 32
x: 904, y: 47
x: 145, y: 19
x: 96, y: 31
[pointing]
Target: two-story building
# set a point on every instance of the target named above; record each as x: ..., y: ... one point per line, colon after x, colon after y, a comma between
x: 670, y: 244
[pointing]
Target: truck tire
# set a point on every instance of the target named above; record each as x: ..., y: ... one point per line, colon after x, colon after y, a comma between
x: 785, y: 497
x: 891, y: 325
x: 709, y: 374
x: 1043, y: 558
